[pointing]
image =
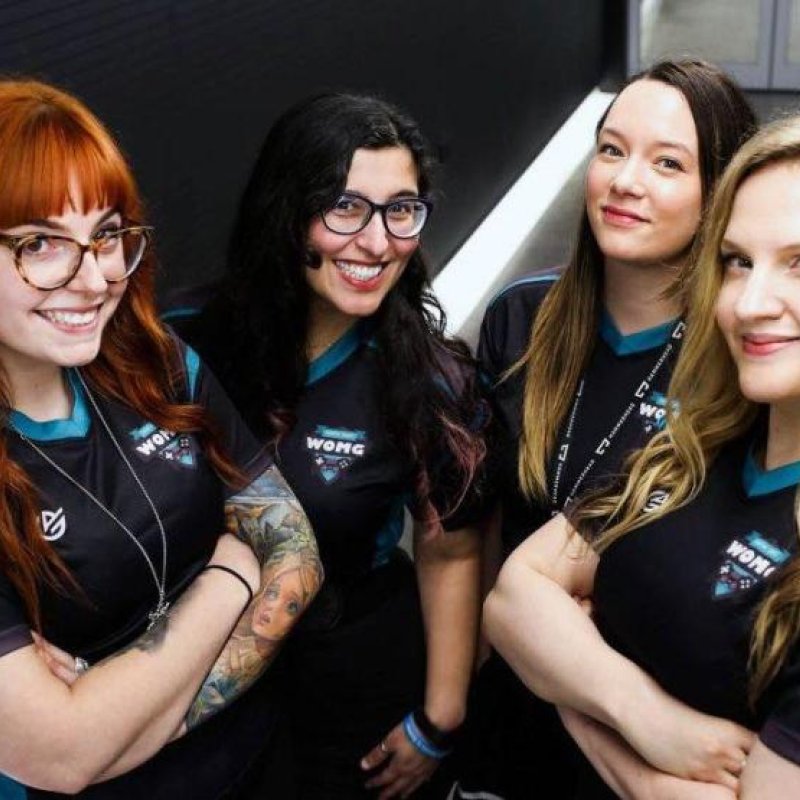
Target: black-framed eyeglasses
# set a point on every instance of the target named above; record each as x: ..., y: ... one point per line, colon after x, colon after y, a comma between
x: 50, y: 261
x: 403, y: 218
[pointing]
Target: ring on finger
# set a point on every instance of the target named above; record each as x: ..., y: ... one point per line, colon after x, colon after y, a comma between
x: 385, y: 747
x: 81, y: 665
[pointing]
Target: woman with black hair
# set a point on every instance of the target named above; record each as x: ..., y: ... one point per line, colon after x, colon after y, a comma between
x: 327, y: 336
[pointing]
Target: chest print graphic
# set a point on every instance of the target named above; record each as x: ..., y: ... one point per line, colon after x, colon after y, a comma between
x: 335, y: 449
x: 653, y: 412
x: 655, y: 500
x: 747, y: 561
x: 174, y: 448
x: 54, y: 524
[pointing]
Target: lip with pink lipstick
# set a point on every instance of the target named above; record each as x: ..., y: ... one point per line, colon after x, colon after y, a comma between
x: 72, y: 320
x: 764, y: 344
x: 621, y: 217
x: 361, y: 275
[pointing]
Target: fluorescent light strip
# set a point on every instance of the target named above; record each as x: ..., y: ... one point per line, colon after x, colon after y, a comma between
x: 469, y: 277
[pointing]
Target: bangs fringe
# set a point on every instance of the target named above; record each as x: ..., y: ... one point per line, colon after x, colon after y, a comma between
x: 49, y: 156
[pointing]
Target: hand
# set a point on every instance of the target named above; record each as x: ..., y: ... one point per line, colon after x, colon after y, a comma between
x: 689, y: 744
x: 59, y: 662
x: 625, y: 772
x: 405, y: 769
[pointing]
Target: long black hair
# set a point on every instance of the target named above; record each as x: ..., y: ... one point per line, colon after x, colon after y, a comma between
x: 428, y: 392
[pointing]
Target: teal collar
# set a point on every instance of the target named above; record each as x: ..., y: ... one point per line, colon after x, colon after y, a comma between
x: 639, y: 342
x: 758, y: 481
x: 335, y: 355
x: 76, y: 426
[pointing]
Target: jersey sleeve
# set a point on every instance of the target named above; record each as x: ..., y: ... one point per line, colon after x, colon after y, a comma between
x: 201, y: 386
x: 781, y: 732
x: 506, y: 326
x: 14, y: 629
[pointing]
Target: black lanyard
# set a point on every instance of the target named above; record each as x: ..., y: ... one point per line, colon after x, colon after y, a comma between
x: 604, y: 445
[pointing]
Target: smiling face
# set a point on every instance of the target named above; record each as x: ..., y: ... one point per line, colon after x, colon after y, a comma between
x: 758, y: 310
x: 358, y: 270
x: 643, y: 185
x: 41, y: 330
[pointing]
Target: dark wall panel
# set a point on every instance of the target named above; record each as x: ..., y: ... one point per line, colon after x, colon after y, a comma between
x: 190, y: 87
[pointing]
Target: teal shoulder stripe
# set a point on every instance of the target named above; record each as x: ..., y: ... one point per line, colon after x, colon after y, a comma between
x: 335, y: 355
x: 76, y: 426
x: 192, y: 362
x: 11, y: 790
x: 758, y: 482
x: 178, y: 313
x: 545, y: 277
x: 627, y: 344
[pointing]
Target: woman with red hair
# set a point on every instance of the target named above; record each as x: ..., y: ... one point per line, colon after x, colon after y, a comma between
x: 122, y: 464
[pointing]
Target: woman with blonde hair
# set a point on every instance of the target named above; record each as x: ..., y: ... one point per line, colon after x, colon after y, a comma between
x: 580, y: 362
x: 122, y: 464
x: 693, y: 565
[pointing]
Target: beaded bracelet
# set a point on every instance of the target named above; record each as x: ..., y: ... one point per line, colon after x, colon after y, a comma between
x: 235, y: 575
x: 418, y: 739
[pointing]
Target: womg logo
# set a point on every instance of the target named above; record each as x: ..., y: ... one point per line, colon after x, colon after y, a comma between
x: 335, y: 450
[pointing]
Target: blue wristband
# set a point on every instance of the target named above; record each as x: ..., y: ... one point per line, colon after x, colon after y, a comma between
x: 416, y: 737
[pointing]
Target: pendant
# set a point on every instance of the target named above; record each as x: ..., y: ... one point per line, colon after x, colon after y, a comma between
x: 158, y: 615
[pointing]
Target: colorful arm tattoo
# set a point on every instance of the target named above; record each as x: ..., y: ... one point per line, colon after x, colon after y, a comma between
x: 269, y: 518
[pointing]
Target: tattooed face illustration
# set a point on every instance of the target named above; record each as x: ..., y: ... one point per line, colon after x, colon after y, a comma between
x: 279, y: 605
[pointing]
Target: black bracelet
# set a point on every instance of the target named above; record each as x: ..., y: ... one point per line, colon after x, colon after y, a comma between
x: 235, y: 575
x: 443, y: 740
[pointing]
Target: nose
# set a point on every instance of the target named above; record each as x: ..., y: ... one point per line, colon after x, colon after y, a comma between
x: 89, y: 277
x: 759, y: 297
x: 374, y: 238
x: 627, y: 179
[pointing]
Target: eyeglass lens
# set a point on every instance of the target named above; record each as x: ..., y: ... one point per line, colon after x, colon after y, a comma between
x: 49, y: 261
x: 404, y: 218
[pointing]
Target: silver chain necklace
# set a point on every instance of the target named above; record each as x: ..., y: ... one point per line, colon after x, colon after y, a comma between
x: 160, y: 612
x: 603, y: 446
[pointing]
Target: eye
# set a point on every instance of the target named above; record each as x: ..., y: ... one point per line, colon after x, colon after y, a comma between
x: 42, y: 248
x: 107, y: 238
x: 402, y: 209
x: 671, y: 164
x: 348, y: 206
x: 732, y: 261
x: 293, y: 608
x: 608, y: 149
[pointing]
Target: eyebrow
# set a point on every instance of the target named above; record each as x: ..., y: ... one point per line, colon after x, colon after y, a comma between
x: 57, y: 226
x: 396, y: 196
x: 659, y: 143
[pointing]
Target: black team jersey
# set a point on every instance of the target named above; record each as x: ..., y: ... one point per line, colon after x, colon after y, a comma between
x: 117, y: 587
x: 679, y: 596
x: 512, y: 738
x: 617, y: 368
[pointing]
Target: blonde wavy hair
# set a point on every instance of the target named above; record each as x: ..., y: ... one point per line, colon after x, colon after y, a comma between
x: 705, y: 410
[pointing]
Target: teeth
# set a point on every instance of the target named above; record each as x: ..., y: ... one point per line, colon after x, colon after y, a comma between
x: 359, y: 272
x: 71, y: 317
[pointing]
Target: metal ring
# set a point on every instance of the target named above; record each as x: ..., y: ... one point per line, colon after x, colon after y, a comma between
x: 384, y: 747
x: 81, y: 665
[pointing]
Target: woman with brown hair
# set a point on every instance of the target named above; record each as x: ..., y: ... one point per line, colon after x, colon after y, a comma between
x: 122, y: 464
x: 580, y: 361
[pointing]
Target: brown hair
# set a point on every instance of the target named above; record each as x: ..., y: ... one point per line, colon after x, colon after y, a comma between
x: 563, y: 334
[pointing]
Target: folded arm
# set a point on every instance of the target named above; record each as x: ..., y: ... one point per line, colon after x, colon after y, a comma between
x: 145, y: 688
x: 533, y: 621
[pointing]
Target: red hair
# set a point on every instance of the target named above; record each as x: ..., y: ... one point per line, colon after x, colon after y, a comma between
x: 52, y: 145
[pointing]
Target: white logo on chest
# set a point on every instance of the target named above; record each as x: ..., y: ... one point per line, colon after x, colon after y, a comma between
x: 54, y: 524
